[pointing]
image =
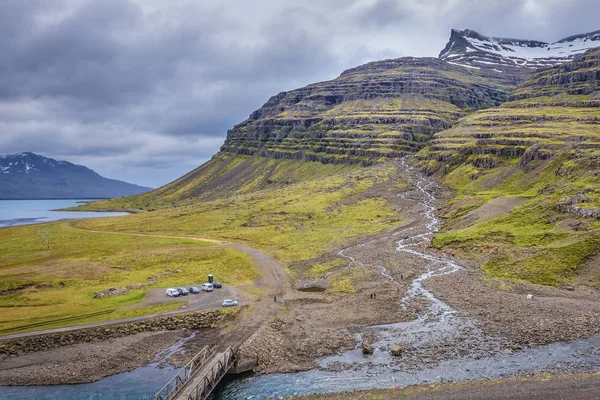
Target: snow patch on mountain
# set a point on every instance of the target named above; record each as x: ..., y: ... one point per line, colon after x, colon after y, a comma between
x: 471, y: 48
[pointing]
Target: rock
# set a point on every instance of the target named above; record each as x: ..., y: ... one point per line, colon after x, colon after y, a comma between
x: 99, y: 295
x: 199, y: 320
x: 396, y: 351
x: 367, y: 348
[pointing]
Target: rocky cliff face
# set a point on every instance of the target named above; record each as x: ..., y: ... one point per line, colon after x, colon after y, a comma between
x: 385, y: 109
x: 515, y: 57
x: 557, y: 110
x: 376, y: 111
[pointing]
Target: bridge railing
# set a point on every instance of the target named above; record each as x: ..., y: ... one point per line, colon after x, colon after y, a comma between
x: 171, y: 389
x: 213, y: 376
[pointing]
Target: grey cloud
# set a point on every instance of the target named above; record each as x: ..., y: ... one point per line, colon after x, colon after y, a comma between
x: 146, y: 90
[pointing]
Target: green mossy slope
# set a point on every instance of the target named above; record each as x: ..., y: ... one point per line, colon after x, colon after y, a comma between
x: 542, y: 146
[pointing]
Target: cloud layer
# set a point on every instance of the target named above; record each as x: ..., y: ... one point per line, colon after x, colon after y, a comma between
x: 145, y: 90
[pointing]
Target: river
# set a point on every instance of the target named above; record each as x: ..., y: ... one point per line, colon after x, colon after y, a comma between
x: 24, y: 212
x: 467, y: 353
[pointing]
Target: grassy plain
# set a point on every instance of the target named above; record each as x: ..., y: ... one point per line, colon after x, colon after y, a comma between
x: 298, y: 223
x: 44, y: 288
x: 294, y: 223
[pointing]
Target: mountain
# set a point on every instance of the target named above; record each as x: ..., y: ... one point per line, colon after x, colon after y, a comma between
x: 31, y: 176
x: 377, y: 111
x: 371, y: 113
x: 518, y: 145
x: 527, y: 178
x: 513, y: 56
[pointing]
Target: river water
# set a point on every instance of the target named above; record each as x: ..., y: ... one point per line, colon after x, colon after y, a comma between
x: 139, y: 384
x: 23, y: 212
x: 466, y: 353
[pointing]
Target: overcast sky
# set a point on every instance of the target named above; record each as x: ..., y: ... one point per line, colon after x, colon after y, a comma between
x: 144, y: 91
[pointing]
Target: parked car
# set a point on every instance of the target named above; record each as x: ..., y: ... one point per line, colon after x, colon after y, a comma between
x: 183, y: 291
x: 207, y: 287
x: 229, y: 303
x: 194, y: 290
x: 172, y: 292
x: 217, y: 285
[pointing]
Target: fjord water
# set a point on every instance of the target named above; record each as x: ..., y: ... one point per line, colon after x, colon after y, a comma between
x: 23, y: 212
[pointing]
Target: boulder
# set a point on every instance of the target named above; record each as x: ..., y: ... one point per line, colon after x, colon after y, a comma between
x: 396, y: 351
x: 367, y: 348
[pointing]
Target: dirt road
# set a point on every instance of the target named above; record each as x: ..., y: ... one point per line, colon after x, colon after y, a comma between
x: 65, y: 365
x: 272, y: 280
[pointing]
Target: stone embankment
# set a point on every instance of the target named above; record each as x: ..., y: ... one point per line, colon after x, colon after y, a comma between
x: 192, y: 321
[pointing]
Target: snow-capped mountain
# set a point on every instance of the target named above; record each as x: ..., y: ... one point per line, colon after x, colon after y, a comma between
x: 31, y: 176
x: 473, y: 50
x: 26, y: 163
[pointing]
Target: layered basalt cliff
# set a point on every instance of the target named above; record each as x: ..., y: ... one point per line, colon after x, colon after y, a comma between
x: 386, y: 109
x: 557, y: 110
x: 376, y: 111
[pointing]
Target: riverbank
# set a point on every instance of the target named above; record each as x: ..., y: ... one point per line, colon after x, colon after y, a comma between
x: 393, y: 289
x: 540, y: 386
x: 434, y: 306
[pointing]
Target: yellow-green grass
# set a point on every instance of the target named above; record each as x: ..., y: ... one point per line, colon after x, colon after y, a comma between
x: 535, y: 242
x: 318, y: 269
x: 225, y: 175
x: 42, y: 288
x: 294, y: 223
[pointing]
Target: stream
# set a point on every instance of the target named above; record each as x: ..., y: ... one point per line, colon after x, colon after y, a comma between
x: 439, y: 345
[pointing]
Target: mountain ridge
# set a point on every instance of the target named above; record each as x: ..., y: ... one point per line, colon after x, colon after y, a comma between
x: 374, y: 112
x: 31, y: 176
x: 474, y: 50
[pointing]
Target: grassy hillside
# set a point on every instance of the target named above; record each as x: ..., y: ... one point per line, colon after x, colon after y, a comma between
x: 297, y: 222
x: 225, y: 176
x: 536, y: 160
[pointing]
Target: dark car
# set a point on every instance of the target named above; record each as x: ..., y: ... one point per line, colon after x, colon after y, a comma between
x: 194, y: 290
x: 217, y: 285
x: 183, y: 291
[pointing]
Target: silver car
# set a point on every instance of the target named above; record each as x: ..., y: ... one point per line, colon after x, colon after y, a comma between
x: 229, y: 303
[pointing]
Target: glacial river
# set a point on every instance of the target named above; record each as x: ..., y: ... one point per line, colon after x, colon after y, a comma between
x: 439, y: 325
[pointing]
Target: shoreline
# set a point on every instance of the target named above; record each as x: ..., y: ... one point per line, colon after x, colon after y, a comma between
x: 576, y: 386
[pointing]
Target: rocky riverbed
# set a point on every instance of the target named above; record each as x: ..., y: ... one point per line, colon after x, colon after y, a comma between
x: 441, y: 315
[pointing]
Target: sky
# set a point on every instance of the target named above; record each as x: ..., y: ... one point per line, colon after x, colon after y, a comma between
x: 145, y: 90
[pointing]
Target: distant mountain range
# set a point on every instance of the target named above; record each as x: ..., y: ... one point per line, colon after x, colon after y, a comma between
x: 31, y: 176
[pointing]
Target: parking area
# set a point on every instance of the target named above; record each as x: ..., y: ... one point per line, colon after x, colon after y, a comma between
x: 198, y: 301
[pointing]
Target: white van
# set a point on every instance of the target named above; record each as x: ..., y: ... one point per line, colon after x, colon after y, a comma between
x: 172, y: 292
x: 207, y: 287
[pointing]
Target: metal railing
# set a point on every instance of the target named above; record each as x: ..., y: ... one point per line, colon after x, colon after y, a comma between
x: 171, y: 389
x: 213, y: 376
